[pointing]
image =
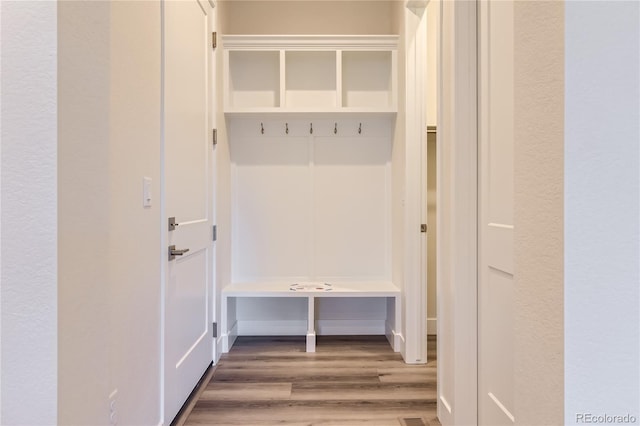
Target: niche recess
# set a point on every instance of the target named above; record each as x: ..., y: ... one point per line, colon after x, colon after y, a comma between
x: 310, y: 123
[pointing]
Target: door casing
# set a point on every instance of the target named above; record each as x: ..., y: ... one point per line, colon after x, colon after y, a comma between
x: 457, y: 212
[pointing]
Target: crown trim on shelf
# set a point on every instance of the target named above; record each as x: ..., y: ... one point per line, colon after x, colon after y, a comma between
x: 311, y: 42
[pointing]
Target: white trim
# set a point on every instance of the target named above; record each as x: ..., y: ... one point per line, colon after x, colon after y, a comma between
x: 272, y: 327
x: 211, y: 189
x: 229, y: 337
x: 163, y: 227
x: 457, y: 213
x: 310, y: 42
x: 219, y: 346
x: 398, y: 341
x: 299, y: 327
x: 394, y: 338
x: 501, y: 407
x: 432, y: 326
x: 330, y: 327
x: 417, y: 4
x: 415, y: 349
x: 445, y: 403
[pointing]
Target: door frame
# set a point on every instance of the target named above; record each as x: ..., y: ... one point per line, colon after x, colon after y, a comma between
x: 415, y: 273
x: 457, y: 212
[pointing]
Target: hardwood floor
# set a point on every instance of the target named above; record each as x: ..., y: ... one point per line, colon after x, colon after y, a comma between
x: 349, y: 381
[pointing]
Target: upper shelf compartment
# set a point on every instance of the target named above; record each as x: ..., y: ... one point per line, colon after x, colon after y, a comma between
x: 254, y: 79
x: 310, y: 74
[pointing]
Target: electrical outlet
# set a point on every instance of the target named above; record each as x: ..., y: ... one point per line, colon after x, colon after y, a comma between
x: 113, y: 413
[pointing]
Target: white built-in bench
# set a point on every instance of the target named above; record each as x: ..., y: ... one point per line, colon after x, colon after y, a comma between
x: 310, y: 291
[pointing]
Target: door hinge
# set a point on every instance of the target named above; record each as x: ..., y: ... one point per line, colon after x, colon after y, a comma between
x: 215, y: 232
x: 214, y: 39
x: 214, y: 136
x: 215, y: 329
x: 423, y: 227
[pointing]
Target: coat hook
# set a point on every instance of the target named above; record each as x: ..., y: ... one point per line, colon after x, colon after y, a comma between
x: 311, y: 128
x: 360, y: 128
x: 262, y: 128
x: 335, y: 128
x: 286, y: 128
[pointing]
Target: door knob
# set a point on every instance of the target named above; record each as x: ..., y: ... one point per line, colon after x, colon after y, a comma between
x: 173, y: 252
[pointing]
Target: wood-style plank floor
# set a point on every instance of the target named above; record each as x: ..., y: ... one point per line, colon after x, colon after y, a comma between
x: 350, y: 380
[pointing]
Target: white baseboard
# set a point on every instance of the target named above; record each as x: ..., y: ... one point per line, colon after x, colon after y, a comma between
x: 349, y: 327
x: 401, y: 345
x: 445, y: 403
x: 398, y: 342
x: 299, y: 327
x: 218, y: 352
x: 229, y: 338
x: 272, y: 328
x: 432, y: 326
x: 388, y: 331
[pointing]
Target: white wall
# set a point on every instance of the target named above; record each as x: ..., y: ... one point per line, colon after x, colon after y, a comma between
x: 83, y: 208
x: 538, y: 177
x: 602, y: 324
x: 433, y: 40
x: 135, y: 252
x: 311, y: 208
x: 29, y: 220
x: 109, y: 245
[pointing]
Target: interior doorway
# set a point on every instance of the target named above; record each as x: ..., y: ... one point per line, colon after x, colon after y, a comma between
x: 431, y: 174
x: 432, y: 229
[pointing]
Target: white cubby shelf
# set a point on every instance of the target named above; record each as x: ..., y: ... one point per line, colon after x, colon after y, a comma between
x: 310, y: 128
x: 293, y: 74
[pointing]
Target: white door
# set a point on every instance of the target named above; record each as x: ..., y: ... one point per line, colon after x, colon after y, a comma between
x: 187, y: 183
x: 495, y: 256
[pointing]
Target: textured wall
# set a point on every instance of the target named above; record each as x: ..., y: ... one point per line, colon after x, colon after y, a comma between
x: 29, y: 219
x: 109, y: 245
x: 602, y: 208
x: 538, y: 179
x: 83, y: 206
x: 135, y: 253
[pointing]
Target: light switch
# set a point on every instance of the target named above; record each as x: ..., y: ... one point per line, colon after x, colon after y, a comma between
x: 146, y: 192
